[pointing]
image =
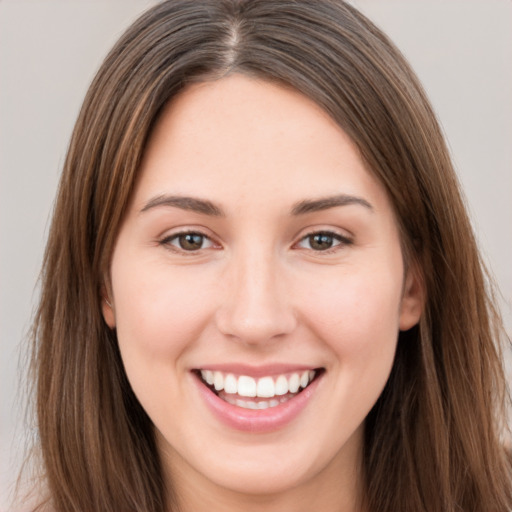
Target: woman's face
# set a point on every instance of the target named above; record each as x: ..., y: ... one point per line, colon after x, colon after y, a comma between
x: 260, y: 255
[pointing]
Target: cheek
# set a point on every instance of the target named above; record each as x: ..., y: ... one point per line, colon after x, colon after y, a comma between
x: 356, y: 317
x: 160, y: 314
x: 160, y: 310
x: 357, y: 313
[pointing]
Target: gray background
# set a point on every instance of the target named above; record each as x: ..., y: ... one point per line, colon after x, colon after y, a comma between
x: 50, y: 50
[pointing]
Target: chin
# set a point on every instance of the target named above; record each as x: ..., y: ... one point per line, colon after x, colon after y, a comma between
x: 260, y: 479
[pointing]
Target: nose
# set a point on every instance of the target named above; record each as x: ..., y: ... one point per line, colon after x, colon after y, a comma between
x: 257, y: 306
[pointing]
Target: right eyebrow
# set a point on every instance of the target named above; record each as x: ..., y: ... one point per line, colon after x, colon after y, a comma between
x: 194, y: 204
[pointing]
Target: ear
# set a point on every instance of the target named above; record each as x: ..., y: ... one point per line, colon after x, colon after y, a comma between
x: 107, y: 308
x: 413, y: 299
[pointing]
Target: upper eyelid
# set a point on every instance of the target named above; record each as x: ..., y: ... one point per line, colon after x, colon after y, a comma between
x: 325, y: 231
x: 174, y: 232
x: 344, y: 235
x: 167, y: 237
x: 342, y: 239
x: 172, y: 236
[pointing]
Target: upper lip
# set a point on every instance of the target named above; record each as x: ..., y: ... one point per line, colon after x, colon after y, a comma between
x: 257, y: 371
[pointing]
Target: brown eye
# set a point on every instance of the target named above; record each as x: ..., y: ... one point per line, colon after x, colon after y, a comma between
x: 188, y: 242
x: 191, y: 241
x: 321, y: 241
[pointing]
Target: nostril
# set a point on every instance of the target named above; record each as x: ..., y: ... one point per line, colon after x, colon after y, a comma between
x: 253, y: 327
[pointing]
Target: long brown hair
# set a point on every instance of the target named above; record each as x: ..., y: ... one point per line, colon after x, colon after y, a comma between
x: 432, y: 441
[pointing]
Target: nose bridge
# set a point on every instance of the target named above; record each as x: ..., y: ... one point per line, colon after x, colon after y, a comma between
x: 257, y: 307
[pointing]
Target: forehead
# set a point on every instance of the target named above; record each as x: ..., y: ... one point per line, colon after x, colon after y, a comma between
x: 238, y: 138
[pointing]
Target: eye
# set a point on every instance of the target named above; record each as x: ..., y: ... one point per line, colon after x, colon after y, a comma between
x: 323, y: 241
x: 189, y: 241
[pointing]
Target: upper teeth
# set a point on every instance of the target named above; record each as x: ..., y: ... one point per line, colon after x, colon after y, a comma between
x: 264, y: 387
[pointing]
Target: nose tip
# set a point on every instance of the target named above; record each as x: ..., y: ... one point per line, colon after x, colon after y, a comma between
x: 258, y: 310
x: 253, y: 328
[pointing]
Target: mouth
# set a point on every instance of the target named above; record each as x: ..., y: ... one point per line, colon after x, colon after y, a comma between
x: 257, y: 393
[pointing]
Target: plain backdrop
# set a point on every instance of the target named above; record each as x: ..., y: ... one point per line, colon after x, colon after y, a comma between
x: 50, y: 50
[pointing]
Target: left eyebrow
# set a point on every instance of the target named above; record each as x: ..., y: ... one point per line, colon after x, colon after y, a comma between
x: 324, y: 203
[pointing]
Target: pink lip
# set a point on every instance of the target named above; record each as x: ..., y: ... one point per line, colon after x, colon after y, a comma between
x: 257, y: 371
x: 257, y: 421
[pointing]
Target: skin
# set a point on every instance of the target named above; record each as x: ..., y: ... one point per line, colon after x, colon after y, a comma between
x: 258, y: 292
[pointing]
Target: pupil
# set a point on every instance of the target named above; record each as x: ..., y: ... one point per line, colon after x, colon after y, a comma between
x: 321, y: 241
x: 191, y: 241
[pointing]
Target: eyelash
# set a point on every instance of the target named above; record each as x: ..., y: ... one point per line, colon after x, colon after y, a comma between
x: 167, y: 242
x: 343, y: 241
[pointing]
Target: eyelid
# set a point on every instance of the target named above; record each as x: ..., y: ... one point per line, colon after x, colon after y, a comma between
x: 342, y: 239
x: 165, y: 240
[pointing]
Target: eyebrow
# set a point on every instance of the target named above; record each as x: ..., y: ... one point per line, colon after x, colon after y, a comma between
x: 185, y: 203
x: 206, y: 207
x: 324, y: 203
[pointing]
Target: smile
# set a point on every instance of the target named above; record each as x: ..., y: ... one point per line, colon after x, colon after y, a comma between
x: 257, y: 393
x: 257, y: 400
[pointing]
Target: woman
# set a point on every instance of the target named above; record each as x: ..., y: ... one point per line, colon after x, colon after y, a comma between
x: 261, y: 290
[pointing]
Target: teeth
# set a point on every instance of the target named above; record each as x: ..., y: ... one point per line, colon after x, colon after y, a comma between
x: 230, y: 384
x: 208, y: 377
x: 246, y: 386
x: 281, y: 385
x: 218, y: 381
x: 294, y: 383
x: 250, y: 404
x: 265, y: 387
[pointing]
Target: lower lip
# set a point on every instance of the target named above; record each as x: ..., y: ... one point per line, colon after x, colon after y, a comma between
x: 257, y: 421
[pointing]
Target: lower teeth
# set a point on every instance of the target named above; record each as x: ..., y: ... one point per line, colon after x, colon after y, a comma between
x: 252, y: 404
